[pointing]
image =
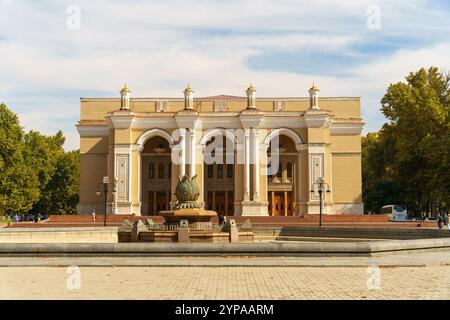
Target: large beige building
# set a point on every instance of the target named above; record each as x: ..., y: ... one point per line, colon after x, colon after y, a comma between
x: 252, y: 156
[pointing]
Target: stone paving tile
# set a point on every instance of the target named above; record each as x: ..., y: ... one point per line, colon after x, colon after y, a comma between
x: 225, y: 283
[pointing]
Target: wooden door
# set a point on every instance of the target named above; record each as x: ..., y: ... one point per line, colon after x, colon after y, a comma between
x: 151, y: 204
x: 209, y: 200
x: 276, y: 203
x: 161, y: 201
x: 220, y: 202
x: 289, y: 204
x: 230, y: 203
x: 279, y: 203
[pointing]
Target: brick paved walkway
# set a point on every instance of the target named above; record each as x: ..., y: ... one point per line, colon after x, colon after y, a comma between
x: 430, y: 282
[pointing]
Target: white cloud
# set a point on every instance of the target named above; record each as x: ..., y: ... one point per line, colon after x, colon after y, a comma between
x: 158, y: 46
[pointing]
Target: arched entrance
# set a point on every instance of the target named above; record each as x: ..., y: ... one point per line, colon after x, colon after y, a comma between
x: 156, y: 174
x: 282, y: 179
x: 219, y: 172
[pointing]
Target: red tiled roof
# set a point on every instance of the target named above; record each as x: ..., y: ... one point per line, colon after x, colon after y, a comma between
x: 223, y: 96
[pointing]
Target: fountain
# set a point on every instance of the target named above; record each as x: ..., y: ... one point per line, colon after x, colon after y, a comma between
x: 186, y: 222
x: 187, y: 208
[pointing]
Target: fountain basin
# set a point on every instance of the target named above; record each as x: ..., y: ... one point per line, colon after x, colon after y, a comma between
x: 191, y: 214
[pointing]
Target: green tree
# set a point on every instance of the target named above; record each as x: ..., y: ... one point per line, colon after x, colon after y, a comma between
x: 42, y: 154
x: 61, y: 194
x: 18, y: 182
x: 409, y: 156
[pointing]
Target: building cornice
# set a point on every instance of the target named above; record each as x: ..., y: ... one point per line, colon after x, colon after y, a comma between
x: 187, y: 119
x: 251, y: 118
x: 231, y: 120
x: 92, y: 130
x: 176, y: 99
x: 317, y: 118
x: 121, y: 119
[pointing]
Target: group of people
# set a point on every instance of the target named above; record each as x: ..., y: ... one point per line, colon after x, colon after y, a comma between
x: 23, y: 217
x: 443, y: 220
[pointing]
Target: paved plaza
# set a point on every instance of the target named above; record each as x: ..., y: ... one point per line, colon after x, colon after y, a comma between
x: 407, y: 276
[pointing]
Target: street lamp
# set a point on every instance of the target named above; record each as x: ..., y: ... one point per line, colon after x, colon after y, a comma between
x: 114, y: 194
x: 105, y: 192
x: 320, y: 188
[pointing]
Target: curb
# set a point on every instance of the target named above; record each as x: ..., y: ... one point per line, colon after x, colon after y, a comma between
x: 363, y: 248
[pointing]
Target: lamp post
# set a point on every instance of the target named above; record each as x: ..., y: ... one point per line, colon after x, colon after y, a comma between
x: 114, y: 194
x: 105, y: 192
x: 320, y: 183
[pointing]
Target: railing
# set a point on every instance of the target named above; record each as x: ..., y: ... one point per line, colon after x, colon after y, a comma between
x: 205, y: 226
x: 164, y: 227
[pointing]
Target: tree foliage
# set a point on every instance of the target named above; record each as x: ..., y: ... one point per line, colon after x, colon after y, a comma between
x: 36, y: 174
x: 18, y: 183
x: 407, y: 161
x: 60, y: 195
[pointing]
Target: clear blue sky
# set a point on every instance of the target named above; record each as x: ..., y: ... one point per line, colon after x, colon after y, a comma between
x: 47, y: 63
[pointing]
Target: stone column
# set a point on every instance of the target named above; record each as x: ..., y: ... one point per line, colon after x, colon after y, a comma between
x: 285, y: 203
x: 139, y: 179
x: 192, y: 151
x: 182, y: 152
x: 272, y: 200
x: 247, y: 166
x: 256, y: 165
x: 298, y: 182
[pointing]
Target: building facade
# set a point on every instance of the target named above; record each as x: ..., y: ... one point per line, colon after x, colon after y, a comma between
x: 252, y: 156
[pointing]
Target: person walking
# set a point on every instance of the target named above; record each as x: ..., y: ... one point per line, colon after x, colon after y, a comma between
x: 447, y: 221
x: 439, y: 221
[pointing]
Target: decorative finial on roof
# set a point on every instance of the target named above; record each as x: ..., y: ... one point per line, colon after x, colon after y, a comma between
x: 314, y: 88
x: 251, y: 97
x: 314, y: 97
x: 251, y: 88
x: 125, y: 94
x: 188, y: 98
x: 188, y: 88
x: 125, y: 89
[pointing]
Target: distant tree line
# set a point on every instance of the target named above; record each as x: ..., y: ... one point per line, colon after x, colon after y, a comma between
x: 36, y: 174
x: 407, y: 161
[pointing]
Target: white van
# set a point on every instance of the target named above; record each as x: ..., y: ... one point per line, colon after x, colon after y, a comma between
x: 396, y: 212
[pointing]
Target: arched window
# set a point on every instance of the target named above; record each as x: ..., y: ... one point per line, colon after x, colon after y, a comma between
x: 151, y: 170
x: 161, y: 170
x: 289, y: 170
